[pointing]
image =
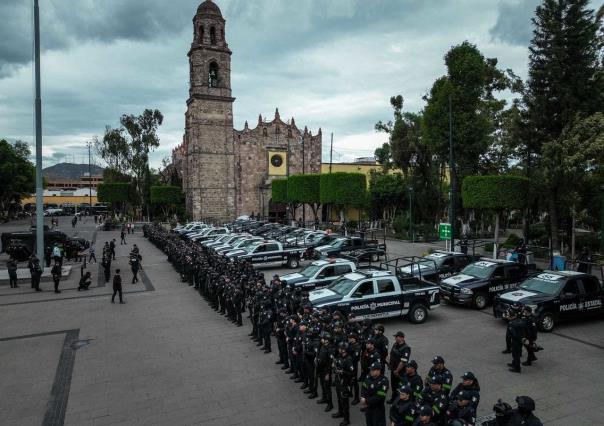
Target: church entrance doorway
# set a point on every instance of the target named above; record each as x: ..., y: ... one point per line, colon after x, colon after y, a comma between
x: 276, y: 211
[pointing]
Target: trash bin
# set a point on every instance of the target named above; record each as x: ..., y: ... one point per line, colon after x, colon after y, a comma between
x: 558, y: 262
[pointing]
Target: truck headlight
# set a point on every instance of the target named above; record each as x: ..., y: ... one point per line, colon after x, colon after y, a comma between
x: 466, y: 291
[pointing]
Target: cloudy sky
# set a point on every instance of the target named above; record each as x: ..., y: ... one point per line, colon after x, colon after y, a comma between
x: 329, y: 63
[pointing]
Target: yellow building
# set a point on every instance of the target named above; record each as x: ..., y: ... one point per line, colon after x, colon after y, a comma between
x: 75, y: 197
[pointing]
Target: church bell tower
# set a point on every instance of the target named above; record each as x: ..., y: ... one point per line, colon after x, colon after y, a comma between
x: 210, y: 168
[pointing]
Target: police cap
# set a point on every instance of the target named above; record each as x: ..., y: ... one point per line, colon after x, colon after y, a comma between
x: 425, y: 410
x: 438, y: 360
x: 437, y: 379
x: 376, y: 366
x: 405, y: 389
x: 468, y: 375
x: 525, y: 403
x: 412, y: 364
x: 399, y: 334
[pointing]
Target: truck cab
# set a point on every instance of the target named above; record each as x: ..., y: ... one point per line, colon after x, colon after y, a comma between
x: 479, y: 282
x: 555, y: 296
x: 377, y: 293
x: 319, y: 273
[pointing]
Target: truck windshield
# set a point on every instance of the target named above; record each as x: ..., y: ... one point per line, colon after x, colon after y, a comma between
x: 338, y: 243
x: 310, y: 271
x: 544, y: 283
x: 479, y: 270
x: 342, y: 286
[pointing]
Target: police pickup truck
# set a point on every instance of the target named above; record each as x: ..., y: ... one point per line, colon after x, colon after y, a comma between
x: 269, y: 252
x: 436, y: 266
x: 319, y: 273
x: 555, y: 296
x: 376, y: 293
x: 346, y: 245
x: 480, y: 281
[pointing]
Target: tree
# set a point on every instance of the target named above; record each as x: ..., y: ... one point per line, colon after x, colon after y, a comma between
x: 343, y: 190
x: 305, y: 189
x: 17, y: 174
x: 387, y: 194
x: 279, y: 191
x: 470, y: 84
x: 495, y: 192
x: 404, y: 134
x: 167, y: 197
x: 126, y: 149
x: 117, y: 193
x: 564, y: 83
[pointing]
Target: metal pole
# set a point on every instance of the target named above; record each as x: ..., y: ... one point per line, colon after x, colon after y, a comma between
x: 411, y: 236
x: 303, y: 172
x: 602, y: 224
x: 89, y: 178
x: 38, y: 120
x: 452, y: 176
x: 331, y: 153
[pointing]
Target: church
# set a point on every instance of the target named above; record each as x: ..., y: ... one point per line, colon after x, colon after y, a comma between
x: 228, y: 172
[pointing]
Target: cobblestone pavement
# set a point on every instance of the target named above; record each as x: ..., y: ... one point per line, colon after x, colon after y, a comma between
x: 166, y: 358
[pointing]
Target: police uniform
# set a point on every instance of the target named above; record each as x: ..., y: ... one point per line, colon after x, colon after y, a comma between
x: 373, y: 392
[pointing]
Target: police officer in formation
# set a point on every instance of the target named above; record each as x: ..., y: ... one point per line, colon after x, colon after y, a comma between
x: 323, y: 350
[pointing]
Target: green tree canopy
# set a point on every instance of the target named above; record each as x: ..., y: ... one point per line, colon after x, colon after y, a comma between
x: 387, y: 194
x: 117, y: 192
x: 279, y: 191
x: 17, y: 173
x: 499, y: 192
x: 304, y: 189
x: 166, y: 194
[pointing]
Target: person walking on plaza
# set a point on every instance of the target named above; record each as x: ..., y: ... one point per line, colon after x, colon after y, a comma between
x: 56, y: 254
x: 123, y: 236
x: 112, y: 248
x: 12, y: 267
x: 74, y: 221
x: 91, y: 253
x: 56, y: 275
x: 106, y: 264
x: 36, y: 273
x: 117, y: 286
x: 135, y: 266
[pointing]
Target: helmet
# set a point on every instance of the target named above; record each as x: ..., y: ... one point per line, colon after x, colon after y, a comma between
x: 525, y: 403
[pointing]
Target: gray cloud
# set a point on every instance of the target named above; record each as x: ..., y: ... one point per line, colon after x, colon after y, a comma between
x: 331, y: 64
x: 513, y: 24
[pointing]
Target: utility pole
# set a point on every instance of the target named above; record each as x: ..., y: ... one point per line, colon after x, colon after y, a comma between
x: 89, y: 144
x: 303, y: 172
x: 452, y: 176
x: 411, y: 235
x: 38, y: 119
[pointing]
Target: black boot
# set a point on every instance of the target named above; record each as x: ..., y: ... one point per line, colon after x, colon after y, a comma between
x: 337, y: 415
x: 329, y: 408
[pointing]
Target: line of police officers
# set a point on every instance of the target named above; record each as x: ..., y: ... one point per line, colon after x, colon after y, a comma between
x: 321, y: 350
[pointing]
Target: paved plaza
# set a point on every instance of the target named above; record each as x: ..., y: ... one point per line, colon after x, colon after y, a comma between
x: 166, y: 358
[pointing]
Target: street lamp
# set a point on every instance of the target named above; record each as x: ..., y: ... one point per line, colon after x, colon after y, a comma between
x: 411, y: 235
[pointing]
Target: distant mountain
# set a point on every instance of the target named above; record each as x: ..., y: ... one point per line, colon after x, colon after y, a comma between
x: 70, y: 171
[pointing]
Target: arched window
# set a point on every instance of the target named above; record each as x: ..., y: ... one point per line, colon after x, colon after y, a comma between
x: 289, y: 133
x: 212, y: 35
x: 201, y: 33
x: 213, y: 75
x: 264, y: 132
x: 277, y: 130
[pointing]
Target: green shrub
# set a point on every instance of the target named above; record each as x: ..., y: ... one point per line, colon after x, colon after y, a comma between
x: 400, y: 224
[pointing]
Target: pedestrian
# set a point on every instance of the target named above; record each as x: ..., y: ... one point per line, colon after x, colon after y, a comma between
x: 85, y: 281
x: 12, y: 267
x: 584, y: 261
x: 56, y: 254
x: 117, y: 286
x: 135, y: 266
x: 373, y: 396
x: 517, y: 334
x: 36, y: 274
x: 106, y: 264
x: 56, y: 275
x: 95, y: 219
x: 74, y: 221
x: 530, y: 342
x: 397, y: 360
x: 123, y: 236
x: 112, y: 248
x: 92, y: 253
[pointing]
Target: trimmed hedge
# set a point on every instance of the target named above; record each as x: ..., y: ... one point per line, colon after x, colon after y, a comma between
x: 118, y: 192
x: 165, y: 194
x: 279, y: 191
x: 344, y: 189
x: 498, y: 192
x: 304, y: 189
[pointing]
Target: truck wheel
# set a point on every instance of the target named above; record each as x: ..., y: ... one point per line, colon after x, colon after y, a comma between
x: 480, y: 301
x: 546, y: 322
x: 374, y: 257
x: 417, y: 314
x: 293, y: 262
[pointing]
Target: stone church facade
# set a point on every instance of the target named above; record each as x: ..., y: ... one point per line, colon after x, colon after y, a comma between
x: 228, y: 172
